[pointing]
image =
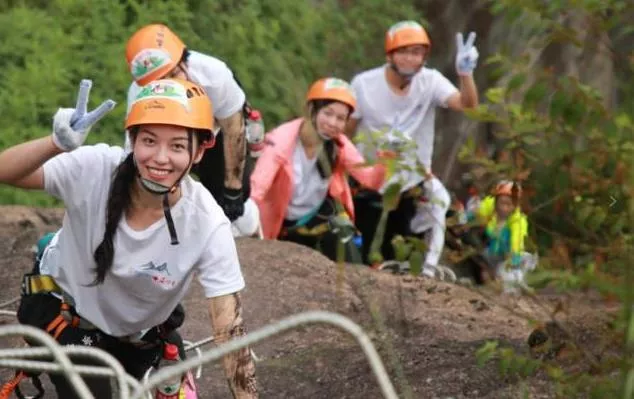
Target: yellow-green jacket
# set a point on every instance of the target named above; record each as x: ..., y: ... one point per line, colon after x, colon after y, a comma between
x: 509, y: 240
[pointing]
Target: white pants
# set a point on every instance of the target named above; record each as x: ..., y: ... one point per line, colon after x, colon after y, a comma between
x: 512, y: 278
x: 431, y: 215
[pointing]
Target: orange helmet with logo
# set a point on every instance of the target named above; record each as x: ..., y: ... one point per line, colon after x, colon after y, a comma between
x: 173, y: 102
x: 405, y: 33
x: 152, y: 52
x: 332, y: 89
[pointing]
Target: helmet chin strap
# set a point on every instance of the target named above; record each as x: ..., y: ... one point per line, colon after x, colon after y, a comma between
x: 405, y: 76
x: 323, y: 136
x: 319, y: 134
x: 159, y: 189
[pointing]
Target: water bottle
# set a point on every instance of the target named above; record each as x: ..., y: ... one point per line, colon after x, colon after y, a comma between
x: 255, y: 133
x: 169, y: 389
x: 358, y: 241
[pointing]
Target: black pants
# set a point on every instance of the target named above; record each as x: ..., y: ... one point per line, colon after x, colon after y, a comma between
x: 477, y: 266
x: 368, y: 208
x: 327, y: 243
x: 40, y: 309
x: 211, y: 170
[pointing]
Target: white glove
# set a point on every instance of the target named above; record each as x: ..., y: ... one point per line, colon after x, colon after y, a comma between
x: 467, y: 55
x: 71, y: 125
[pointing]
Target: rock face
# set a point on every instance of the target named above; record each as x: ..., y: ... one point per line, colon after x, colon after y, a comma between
x: 425, y: 331
x: 590, y: 62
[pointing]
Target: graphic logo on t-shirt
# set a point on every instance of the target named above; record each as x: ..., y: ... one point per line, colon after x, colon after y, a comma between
x: 160, y: 274
x: 160, y: 268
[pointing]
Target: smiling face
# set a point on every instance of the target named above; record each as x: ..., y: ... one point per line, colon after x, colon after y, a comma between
x: 409, y: 59
x: 331, y: 119
x: 162, y: 153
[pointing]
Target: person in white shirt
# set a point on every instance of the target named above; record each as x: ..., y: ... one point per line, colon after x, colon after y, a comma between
x: 400, y: 99
x: 155, y: 52
x: 136, y: 231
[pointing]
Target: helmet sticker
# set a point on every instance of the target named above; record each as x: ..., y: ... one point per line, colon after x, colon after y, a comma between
x: 165, y: 89
x: 147, y: 61
x: 334, y: 83
x: 399, y: 26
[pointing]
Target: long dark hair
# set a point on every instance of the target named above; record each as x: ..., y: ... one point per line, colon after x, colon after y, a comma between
x: 119, y: 199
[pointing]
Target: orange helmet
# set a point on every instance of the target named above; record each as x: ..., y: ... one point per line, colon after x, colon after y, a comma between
x: 506, y: 187
x: 152, y: 52
x: 332, y: 89
x: 173, y: 102
x: 405, y: 33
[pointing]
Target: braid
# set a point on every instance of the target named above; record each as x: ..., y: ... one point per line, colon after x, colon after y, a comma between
x: 118, y: 200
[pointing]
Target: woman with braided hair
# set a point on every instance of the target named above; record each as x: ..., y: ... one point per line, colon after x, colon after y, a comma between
x: 137, y: 229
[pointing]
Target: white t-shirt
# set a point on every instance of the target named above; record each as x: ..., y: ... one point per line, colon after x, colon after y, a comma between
x: 413, y: 115
x: 225, y: 94
x: 309, y: 189
x: 149, y: 277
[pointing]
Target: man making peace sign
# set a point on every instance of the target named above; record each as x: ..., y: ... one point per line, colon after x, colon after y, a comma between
x: 400, y: 100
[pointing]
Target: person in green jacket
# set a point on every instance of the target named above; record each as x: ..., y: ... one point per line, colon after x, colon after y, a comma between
x: 505, y: 226
x: 505, y: 231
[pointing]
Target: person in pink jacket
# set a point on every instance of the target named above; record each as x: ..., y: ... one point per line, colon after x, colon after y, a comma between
x: 300, y: 183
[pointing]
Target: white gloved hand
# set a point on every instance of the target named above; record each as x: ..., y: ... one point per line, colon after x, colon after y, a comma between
x: 71, y: 125
x: 467, y: 55
x: 428, y: 187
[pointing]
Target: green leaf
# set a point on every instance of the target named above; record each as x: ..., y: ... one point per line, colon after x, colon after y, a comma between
x: 583, y: 213
x: 516, y: 82
x: 574, y: 113
x: 535, y: 94
x: 628, y: 387
x: 416, y: 263
x: 486, y: 352
x: 375, y: 258
x: 556, y: 373
x: 496, y: 95
x: 402, y: 249
x: 596, y: 219
x: 418, y: 244
x: 617, y: 227
x: 630, y: 332
x: 623, y: 121
x: 497, y: 58
x: 531, y: 140
x: 558, y: 104
x: 482, y: 113
x: 392, y: 196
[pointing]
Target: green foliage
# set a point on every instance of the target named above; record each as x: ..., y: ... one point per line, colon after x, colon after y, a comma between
x: 276, y: 49
x: 574, y: 155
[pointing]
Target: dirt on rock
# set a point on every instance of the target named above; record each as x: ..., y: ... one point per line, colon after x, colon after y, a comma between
x: 427, y: 332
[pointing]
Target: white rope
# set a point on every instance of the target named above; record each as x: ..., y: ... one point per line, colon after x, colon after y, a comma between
x: 273, y: 329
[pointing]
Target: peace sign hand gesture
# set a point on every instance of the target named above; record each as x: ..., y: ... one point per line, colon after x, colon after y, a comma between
x: 467, y: 55
x: 71, y: 125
